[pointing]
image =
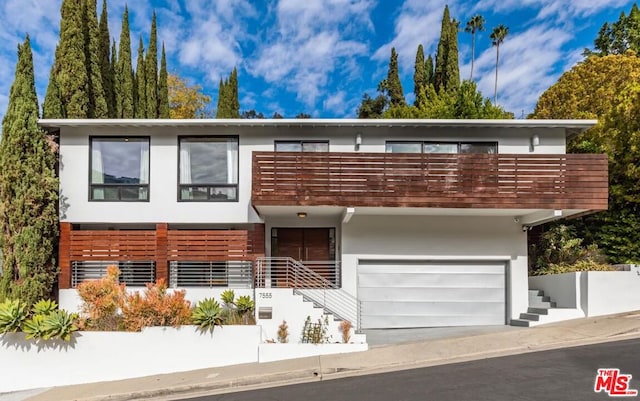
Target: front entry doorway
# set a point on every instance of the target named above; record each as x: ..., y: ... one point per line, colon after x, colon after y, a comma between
x: 314, y: 247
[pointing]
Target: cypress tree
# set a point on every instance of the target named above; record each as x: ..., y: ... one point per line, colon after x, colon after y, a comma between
x: 106, y: 68
x: 223, y: 100
x: 163, y: 88
x: 392, y: 84
x: 141, y: 84
x: 52, y: 107
x: 234, y: 103
x: 440, y: 73
x: 419, y: 75
x: 428, y: 67
x: 151, y: 72
x: 124, y: 73
x: 70, y: 71
x: 452, y: 76
x: 97, y: 101
x: 28, y: 193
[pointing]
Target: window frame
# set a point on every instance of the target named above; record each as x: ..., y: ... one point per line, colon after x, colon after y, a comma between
x: 123, y: 138
x: 301, y: 142
x: 458, y: 143
x: 208, y: 186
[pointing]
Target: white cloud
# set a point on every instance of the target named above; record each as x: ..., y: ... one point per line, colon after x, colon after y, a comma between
x: 311, y: 42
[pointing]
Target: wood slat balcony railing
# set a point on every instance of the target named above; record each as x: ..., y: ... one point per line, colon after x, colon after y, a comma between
x: 501, y: 181
x: 209, y: 245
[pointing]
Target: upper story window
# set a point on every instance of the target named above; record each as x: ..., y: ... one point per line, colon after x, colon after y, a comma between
x: 442, y: 147
x: 302, y: 146
x: 208, y: 169
x: 119, y: 169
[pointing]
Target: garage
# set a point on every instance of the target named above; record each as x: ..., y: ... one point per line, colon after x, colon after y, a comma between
x: 414, y: 293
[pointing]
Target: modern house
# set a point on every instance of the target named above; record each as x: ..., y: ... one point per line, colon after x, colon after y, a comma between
x: 388, y: 223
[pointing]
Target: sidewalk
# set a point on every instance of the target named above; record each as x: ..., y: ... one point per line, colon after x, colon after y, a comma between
x: 376, y: 360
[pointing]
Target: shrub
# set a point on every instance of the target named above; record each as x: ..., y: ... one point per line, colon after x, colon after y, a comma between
x: 207, y: 315
x: 12, y: 314
x: 345, y: 329
x: 315, y: 333
x: 101, y: 300
x: 580, y: 266
x: 245, y: 307
x: 283, y: 332
x: 155, y: 308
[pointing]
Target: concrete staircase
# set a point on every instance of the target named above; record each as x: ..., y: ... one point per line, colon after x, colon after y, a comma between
x: 542, y: 309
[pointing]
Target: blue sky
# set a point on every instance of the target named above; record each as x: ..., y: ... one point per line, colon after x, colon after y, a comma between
x: 320, y: 56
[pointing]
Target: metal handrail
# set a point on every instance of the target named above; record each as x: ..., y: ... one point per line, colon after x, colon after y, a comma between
x: 290, y: 273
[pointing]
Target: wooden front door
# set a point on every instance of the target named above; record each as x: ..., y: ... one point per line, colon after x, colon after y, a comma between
x: 307, y: 245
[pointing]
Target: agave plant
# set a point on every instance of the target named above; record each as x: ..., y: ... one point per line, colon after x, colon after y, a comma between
x: 59, y: 324
x: 245, y: 307
x: 227, y: 297
x: 44, y: 307
x: 207, y: 315
x: 35, y: 327
x: 12, y: 314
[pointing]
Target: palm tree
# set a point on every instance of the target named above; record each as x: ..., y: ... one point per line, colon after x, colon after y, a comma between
x: 497, y: 37
x: 475, y: 24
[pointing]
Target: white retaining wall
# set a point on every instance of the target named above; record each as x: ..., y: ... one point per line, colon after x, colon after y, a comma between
x: 595, y: 293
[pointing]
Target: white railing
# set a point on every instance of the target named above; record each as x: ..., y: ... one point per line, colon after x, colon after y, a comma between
x: 316, y: 281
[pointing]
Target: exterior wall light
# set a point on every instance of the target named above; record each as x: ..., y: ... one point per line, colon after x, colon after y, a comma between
x: 302, y: 215
x: 358, y: 140
x: 535, y: 141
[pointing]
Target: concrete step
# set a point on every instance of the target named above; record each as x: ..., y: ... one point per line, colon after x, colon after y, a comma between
x: 521, y: 322
x: 530, y: 316
x: 542, y: 304
x: 538, y: 311
x: 536, y: 293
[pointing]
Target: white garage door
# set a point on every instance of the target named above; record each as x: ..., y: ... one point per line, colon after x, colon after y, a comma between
x: 397, y: 294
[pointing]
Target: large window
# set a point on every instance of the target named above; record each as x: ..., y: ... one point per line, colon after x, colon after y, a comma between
x: 119, y: 169
x: 302, y: 146
x: 442, y: 147
x: 208, y: 169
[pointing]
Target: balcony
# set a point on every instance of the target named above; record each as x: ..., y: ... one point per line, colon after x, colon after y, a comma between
x: 488, y: 181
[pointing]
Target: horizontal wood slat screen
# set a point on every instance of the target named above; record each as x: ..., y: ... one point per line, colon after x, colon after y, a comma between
x: 209, y: 245
x: 112, y: 245
x: 504, y: 181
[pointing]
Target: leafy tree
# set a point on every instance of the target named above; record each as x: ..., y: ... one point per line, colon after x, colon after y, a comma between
x: 392, y: 86
x: 497, y: 38
x: 140, y: 84
x: 124, y: 73
x: 277, y: 115
x: 28, y: 192
x: 106, y: 69
x: 303, y: 115
x: 70, y: 66
x: 474, y: 25
x: 251, y: 114
x: 619, y: 36
x: 372, y: 107
x: 163, y: 88
x: 606, y: 88
x: 97, y: 101
x: 151, y: 72
x: 186, y: 101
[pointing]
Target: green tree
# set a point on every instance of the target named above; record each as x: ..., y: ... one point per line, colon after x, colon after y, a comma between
x: 124, y: 73
x: 141, y: 84
x: 419, y: 75
x: 233, y: 93
x: 70, y: 65
x: 452, y: 78
x: 151, y: 72
x: 605, y: 88
x: 372, y: 107
x: 52, y: 107
x: 97, y: 100
x: 251, y: 114
x: 497, y: 38
x: 228, y: 104
x: 619, y: 36
x: 440, y: 73
x: 474, y: 25
x: 223, y: 107
x: 392, y: 86
x: 28, y: 192
x: 163, y: 88
x: 303, y: 115
x: 105, y: 62
x: 428, y: 67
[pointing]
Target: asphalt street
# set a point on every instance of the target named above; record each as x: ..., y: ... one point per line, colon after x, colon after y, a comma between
x: 565, y: 374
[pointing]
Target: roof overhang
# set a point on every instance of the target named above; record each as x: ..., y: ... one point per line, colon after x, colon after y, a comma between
x: 572, y: 127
